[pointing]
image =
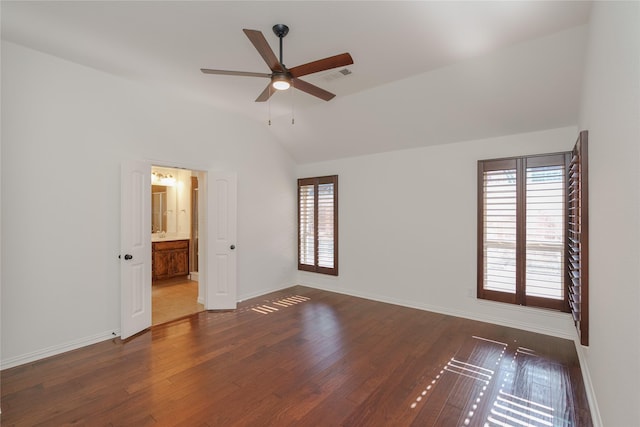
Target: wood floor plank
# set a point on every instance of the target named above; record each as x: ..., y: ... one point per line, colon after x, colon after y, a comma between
x: 320, y: 359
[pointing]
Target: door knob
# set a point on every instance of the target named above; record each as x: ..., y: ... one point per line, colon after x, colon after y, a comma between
x: 128, y: 256
x: 232, y: 247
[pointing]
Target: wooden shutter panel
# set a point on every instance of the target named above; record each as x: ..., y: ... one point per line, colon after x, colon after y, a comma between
x: 545, y: 225
x: 306, y: 225
x: 500, y: 230
x: 497, y: 230
x: 325, y: 225
x: 578, y: 238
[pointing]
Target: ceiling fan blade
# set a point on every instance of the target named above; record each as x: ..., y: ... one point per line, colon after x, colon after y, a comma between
x: 322, y: 64
x: 312, y: 89
x: 263, y: 48
x: 234, y: 73
x: 266, y: 94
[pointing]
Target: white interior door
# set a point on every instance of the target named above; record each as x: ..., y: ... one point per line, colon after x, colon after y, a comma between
x: 221, y: 241
x: 135, y: 248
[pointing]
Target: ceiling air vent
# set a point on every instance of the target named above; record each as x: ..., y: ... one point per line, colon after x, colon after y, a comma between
x: 336, y: 74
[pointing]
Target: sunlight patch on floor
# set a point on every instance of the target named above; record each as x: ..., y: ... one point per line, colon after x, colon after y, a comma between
x: 282, y: 303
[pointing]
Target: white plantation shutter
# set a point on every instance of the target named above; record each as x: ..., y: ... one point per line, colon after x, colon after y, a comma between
x: 325, y: 225
x: 500, y: 230
x: 307, y: 225
x: 318, y: 224
x: 521, y: 230
x: 545, y: 232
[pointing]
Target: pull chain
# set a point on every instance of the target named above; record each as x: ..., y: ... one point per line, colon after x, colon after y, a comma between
x: 269, y: 106
x: 293, y: 119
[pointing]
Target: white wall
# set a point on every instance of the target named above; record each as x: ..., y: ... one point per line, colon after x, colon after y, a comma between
x: 65, y: 131
x: 611, y: 113
x: 407, y: 228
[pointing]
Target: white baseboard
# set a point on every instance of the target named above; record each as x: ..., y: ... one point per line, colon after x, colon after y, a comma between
x: 559, y: 333
x: 57, y: 349
x: 245, y: 297
x: 588, y: 385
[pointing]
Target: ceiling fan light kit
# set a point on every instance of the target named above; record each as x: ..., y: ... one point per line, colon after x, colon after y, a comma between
x: 282, y: 78
x: 280, y: 82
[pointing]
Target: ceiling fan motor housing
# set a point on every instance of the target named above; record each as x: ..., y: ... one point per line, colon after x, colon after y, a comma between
x: 280, y: 30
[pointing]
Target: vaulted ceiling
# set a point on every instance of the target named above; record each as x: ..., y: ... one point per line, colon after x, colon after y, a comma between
x: 425, y: 72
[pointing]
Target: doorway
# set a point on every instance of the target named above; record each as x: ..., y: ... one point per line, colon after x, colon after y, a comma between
x: 217, y: 231
x: 175, y: 290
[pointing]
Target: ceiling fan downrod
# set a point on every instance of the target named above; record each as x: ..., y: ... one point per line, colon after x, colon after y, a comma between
x: 280, y: 30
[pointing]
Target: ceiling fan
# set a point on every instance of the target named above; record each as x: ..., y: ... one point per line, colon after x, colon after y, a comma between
x: 282, y: 77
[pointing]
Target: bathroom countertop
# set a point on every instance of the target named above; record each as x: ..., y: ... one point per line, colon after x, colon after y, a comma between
x: 168, y: 238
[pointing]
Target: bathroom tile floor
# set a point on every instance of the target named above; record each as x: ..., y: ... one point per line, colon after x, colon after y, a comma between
x: 174, y: 298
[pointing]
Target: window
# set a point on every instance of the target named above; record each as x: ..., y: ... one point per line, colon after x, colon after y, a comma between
x: 522, y: 232
x: 318, y: 224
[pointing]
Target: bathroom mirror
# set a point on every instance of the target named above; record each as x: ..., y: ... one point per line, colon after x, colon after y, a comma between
x: 158, y: 208
x: 170, y: 202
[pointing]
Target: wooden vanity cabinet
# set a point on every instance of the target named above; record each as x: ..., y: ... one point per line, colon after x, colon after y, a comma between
x: 170, y: 259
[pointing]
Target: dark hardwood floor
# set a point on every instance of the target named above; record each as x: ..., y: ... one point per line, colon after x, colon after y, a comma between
x: 306, y: 357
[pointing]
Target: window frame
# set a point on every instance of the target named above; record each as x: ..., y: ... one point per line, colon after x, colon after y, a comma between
x: 316, y: 181
x: 520, y: 164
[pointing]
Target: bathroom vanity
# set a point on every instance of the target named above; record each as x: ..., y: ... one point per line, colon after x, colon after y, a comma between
x: 170, y: 258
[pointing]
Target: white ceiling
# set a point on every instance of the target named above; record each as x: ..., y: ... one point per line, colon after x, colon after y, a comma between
x: 424, y: 73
